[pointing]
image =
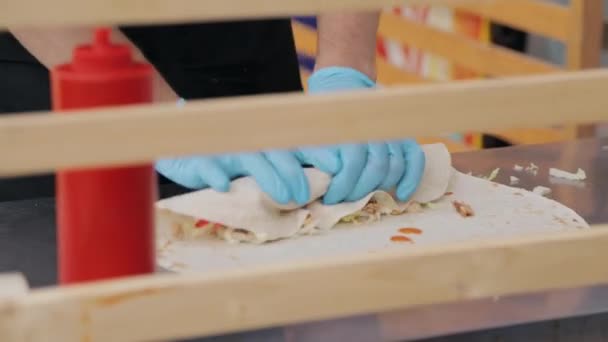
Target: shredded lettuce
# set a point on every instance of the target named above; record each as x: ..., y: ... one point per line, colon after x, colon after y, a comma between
x: 494, y: 174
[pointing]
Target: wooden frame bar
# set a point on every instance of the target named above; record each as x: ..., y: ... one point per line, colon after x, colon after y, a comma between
x: 77, y: 12
x: 578, y: 25
x: 584, y: 45
x: 486, y: 59
x: 585, y: 38
x: 172, y: 306
x: 29, y: 143
x: 525, y: 14
x: 176, y: 306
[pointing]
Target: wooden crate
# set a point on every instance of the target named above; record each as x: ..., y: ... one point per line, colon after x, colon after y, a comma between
x: 169, y: 306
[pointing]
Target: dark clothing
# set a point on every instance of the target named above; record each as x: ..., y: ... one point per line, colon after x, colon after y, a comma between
x: 219, y: 59
x: 197, y: 61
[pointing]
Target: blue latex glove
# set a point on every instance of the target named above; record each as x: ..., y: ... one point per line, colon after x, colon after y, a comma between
x: 336, y: 79
x: 359, y: 169
x: 278, y: 173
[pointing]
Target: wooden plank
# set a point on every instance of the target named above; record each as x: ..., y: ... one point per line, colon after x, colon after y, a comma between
x: 389, y: 74
x: 77, y: 12
x: 483, y: 58
x: 306, y: 42
x: 305, y: 38
x: 172, y: 306
x: 532, y: 135
x: 12, y: 284
x: 537, y: 16
x: 452, y: 145
x: 584, y: 45
x: 31, y: 142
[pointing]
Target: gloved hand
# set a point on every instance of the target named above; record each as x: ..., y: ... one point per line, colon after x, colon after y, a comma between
x: 359, y: 169
x: 278, y: 173
x: 336, y: 79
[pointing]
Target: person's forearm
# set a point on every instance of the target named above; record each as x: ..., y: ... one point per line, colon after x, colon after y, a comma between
x: 54, y: 46
x: 348, y: 39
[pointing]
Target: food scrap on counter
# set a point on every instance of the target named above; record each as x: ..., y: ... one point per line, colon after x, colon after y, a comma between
x: 400, y: 238
x: 410, y: 231
x: 541, y: 190
x: 463, y: 209
x: 489, y: 177
x: 532, y: 169
x: 493, y: 174
x: 405, y: 231
x: 578, y: 176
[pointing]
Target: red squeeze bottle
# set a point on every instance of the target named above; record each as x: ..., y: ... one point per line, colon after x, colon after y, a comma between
x: 105, y: 216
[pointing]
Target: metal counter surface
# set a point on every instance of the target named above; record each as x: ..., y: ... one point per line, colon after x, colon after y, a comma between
x: 27, y: 244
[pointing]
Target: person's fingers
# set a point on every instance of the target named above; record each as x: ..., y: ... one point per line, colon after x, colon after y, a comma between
x: 188, y: 172
x: 396, y: 166
x: 292, y: 174
x: 210, y: 172
x: 374, y: 172
x: 325, y: 159
x: 414, y: 169
x: 353, y: 159
x: 257, y: 166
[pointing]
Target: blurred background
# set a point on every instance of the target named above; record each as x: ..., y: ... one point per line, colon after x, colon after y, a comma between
x: 421, y: 44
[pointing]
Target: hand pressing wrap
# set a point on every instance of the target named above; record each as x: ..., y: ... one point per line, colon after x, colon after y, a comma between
x: 278, y: 173
x: 359, y: 169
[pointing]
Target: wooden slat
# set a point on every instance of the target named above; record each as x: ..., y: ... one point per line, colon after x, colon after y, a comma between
x: 480, y: 57
x: 536, y: 16
x: 389, y: 74
x: 77, y: 12
x: 453, y: 146
x: 172, y: 306
x: 532, y: 135
x: 305, y: 38
x: 12, y: 284
x: 584, y: 44
x: 41, y: 142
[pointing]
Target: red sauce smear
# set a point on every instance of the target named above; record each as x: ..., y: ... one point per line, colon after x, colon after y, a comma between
x: 399, y: 238
x: 214, y: 227
x: 410, y: 231
x: 201, y: 223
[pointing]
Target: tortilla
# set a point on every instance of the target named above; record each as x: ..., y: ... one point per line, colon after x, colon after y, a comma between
x: 434, y: 184
x: 499, y: 212
x: 258, y: 219
x: 242, y: 214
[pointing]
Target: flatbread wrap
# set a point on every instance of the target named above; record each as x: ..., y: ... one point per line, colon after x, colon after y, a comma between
x: 246, y: 214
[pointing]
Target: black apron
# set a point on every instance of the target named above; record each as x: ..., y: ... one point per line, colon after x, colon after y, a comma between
x: 197, y: 61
